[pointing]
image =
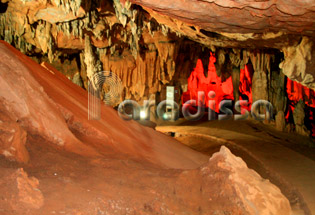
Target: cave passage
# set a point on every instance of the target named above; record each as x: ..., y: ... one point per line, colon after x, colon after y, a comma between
x: 223, y: 90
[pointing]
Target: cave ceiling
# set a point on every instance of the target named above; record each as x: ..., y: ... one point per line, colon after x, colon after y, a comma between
x: 264, y: 23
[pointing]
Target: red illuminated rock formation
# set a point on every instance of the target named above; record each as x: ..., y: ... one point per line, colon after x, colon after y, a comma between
x: 197, y: 82
x: 301, y: 105
x: 245, y: 84
x: 224, y: 90
x: 298, y: 92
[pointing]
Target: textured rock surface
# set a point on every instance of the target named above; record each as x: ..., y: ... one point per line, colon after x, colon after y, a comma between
x: 258, y: 195
x: 298, y: 117
x: 240, y: 16
x: 139, y: 172
x: 253, y: 24
x: 299, y: 63
x: 243, y: 187
x: 153, y: 39
x: 12, y: 142
x: 48, y: 105
x: 280, y: 121
x: 19, y: 192
x: 27, y: 102
x: 260, y: 86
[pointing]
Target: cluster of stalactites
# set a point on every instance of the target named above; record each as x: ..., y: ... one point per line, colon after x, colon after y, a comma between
x: 106, y: 40
x: 69, y: 6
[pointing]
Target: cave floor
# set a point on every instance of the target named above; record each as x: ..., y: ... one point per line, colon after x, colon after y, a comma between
x: 287, y: 160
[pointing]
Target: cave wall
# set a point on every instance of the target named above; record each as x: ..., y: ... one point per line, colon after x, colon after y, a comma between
x: 118, y: 32
x: 149, y: 47
x: 80, y: 39
x: 284, y: 25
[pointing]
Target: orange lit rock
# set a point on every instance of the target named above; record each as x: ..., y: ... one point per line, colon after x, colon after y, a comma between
x: 227, y: 181
x: 55, y: 14
x: 27, y: 102
x: 19, y: 192
x: 239, y: 16
x: 12, y: 142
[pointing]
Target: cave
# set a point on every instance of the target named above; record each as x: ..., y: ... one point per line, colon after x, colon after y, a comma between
x: 157, y: 107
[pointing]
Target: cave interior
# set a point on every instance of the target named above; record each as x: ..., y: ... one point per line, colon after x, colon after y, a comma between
x: 199, y: 77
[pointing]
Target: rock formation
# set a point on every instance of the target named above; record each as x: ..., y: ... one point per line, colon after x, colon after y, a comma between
x: 154, y: 39
x: 252, y: 194
x: 151, y: 44
x: 12, y: 142
x: 42, y: 103
x: 110, y: 166
x: 19, y: 192
x: 299, y: 62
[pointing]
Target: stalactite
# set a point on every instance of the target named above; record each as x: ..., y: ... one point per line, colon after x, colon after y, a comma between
x: 261, y: 64
x: 43, y: 36
x: 75, y: 28
x: 2, y: 25
x: 165, y: 30
x: 81, y: 24
x: 167, y: 55
x: 122, y: 13
x: 77, y: 80
x: 260, y: 61
x: 236, y: 83
x: 245, y: 58
x: 67, y: 29
x: 235, y: 57
x: 75, y: 5
x: 56, y: 2
x: 112, y: 50
x: 153, y: 68
x: 92, y: 64
x: 50, y: 50
x: 67, y: 7
x: 220, y: 55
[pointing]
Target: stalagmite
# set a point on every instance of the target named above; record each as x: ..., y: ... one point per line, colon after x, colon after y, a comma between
x: 280, y: 121
x: 299, y: 116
